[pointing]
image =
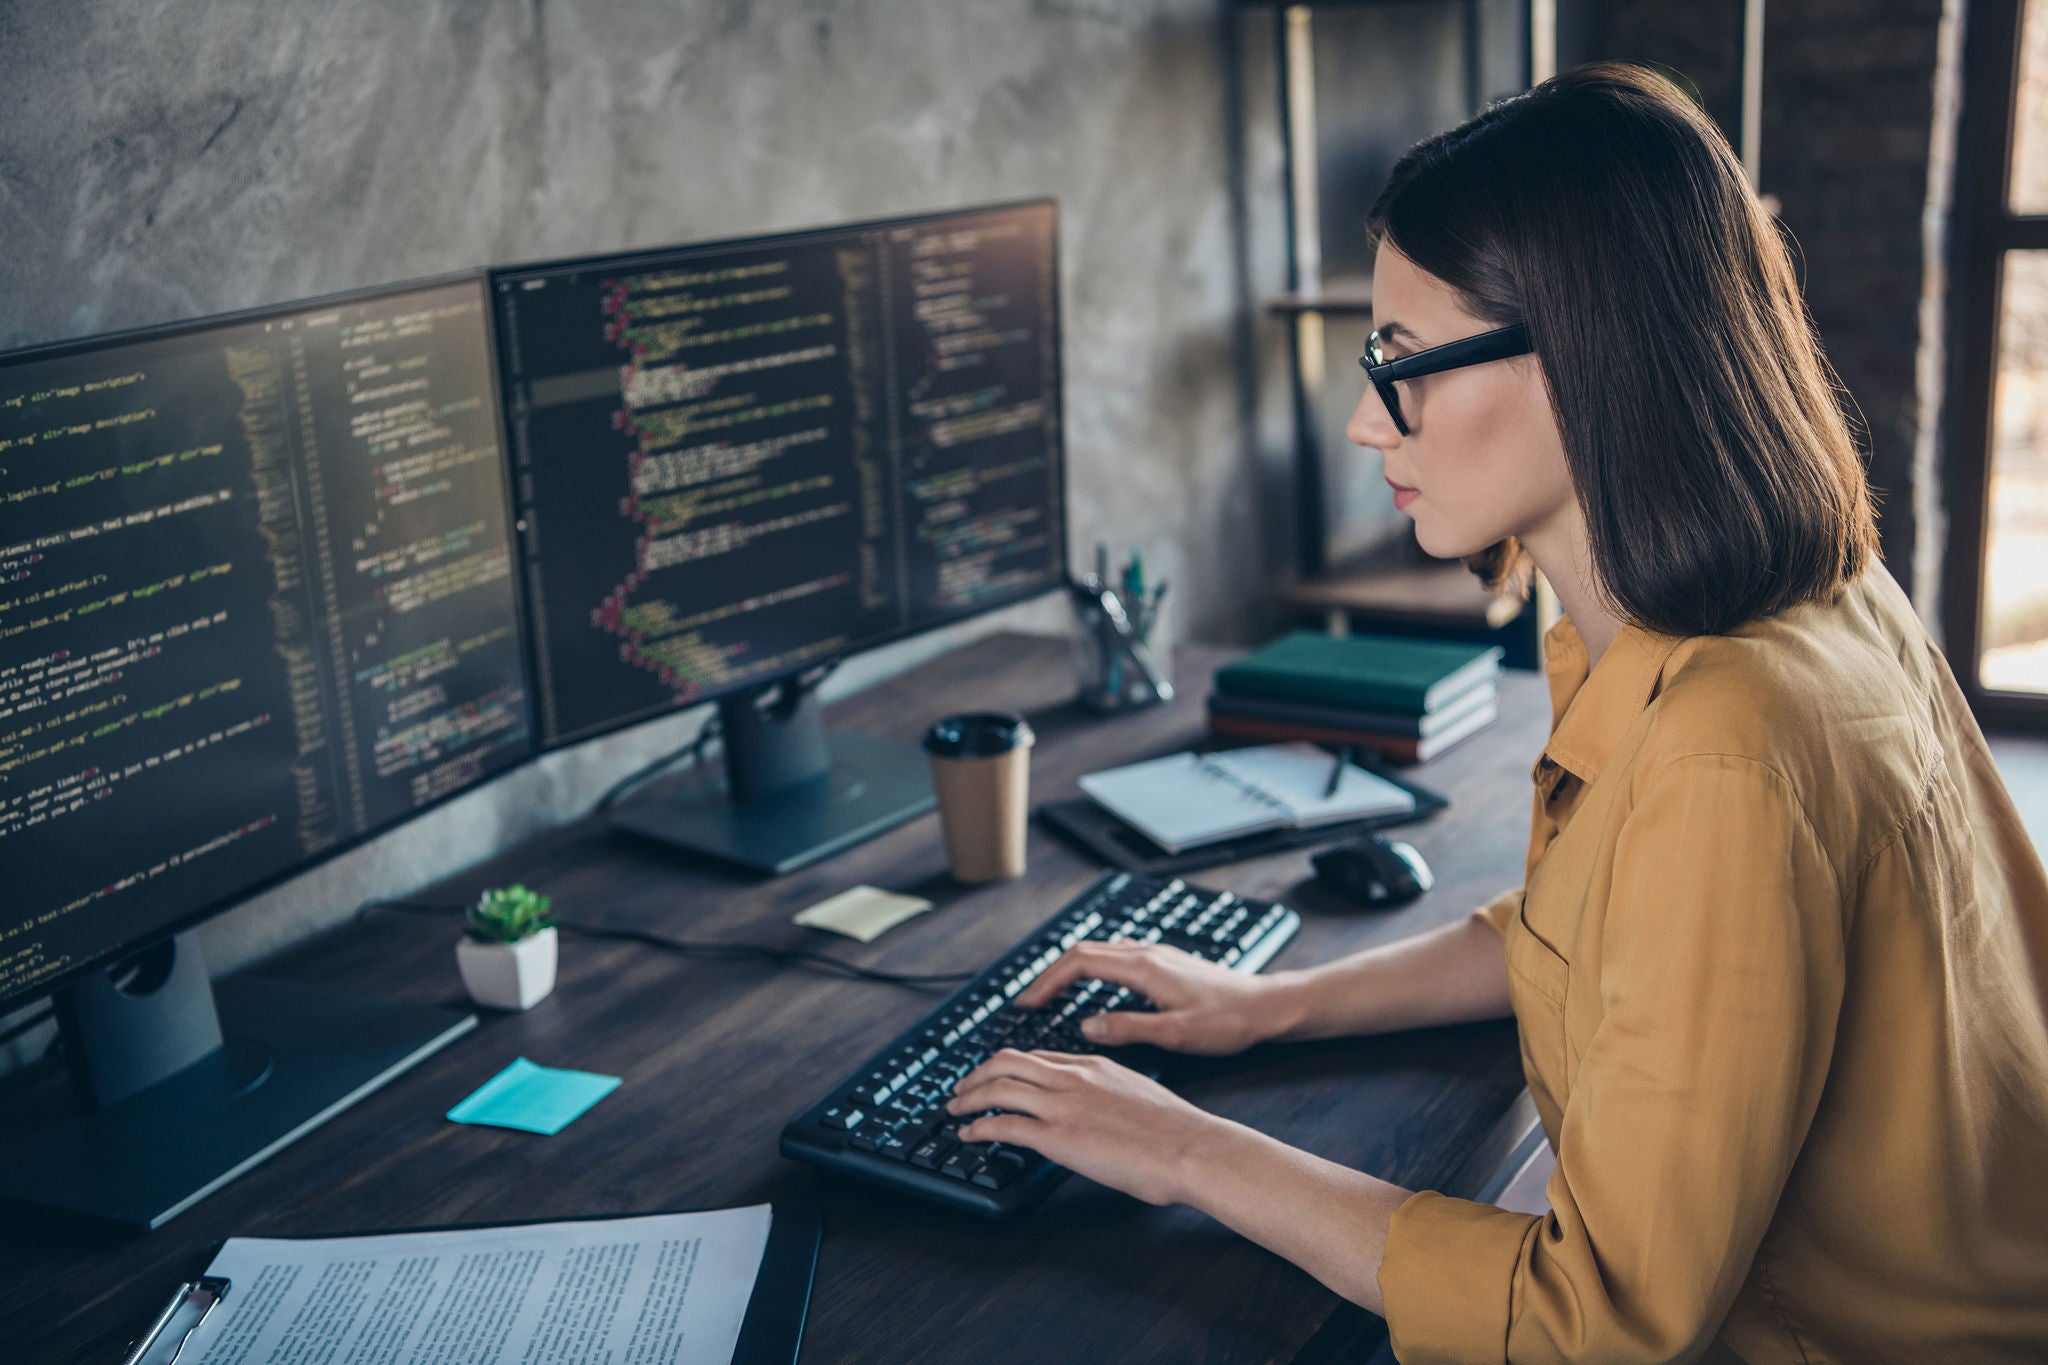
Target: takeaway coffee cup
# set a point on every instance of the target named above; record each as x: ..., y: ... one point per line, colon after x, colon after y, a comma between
x: 981, y: 770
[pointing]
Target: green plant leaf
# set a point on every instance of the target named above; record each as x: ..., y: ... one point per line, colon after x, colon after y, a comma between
x: 508, y: 914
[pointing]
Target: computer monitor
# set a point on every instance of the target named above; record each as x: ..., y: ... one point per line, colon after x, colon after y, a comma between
x: 257, y: 602
x: 737, y: 461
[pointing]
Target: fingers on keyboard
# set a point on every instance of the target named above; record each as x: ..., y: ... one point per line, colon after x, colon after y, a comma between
x: 1025, y: 1011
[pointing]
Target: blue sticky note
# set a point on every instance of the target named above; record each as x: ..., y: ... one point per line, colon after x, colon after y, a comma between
x: 536, y: 1099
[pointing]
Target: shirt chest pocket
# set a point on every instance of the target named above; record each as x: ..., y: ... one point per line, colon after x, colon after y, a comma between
x: 1537, y: 976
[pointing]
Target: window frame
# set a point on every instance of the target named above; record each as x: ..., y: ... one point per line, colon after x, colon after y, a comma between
x: 1987, y: 231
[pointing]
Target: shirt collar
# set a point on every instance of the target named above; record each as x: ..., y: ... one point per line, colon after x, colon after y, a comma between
x: 1589, y: 711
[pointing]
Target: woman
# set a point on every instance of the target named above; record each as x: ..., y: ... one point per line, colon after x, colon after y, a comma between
x: 1779, y: 960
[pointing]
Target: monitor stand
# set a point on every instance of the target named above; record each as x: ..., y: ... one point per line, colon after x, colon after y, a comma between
x: 182, y: 1086
x: 793, y: 794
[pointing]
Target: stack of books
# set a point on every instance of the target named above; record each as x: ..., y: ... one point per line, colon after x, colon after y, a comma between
x: 1407, y: 699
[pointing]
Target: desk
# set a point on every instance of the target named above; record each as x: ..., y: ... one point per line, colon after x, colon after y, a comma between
x: 716, y: 1057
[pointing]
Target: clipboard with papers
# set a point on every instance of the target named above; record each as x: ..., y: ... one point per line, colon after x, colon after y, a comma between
x: 714, y: 1286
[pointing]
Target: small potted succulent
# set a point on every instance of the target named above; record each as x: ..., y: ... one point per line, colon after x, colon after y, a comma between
x: 507, y: 955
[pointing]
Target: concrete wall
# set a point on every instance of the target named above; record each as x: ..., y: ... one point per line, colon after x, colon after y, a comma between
x: 160, y: 162
x: 170, y: 161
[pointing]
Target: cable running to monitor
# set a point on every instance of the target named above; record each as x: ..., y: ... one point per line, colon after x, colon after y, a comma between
x: 704, y: 949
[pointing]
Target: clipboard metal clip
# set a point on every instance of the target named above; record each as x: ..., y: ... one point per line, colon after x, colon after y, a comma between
x: 189, y: 1305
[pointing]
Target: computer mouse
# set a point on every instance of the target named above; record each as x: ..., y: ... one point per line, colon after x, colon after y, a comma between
x: 1373, y: 872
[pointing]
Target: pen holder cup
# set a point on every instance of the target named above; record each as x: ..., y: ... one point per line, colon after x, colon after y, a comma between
x: 1105, y: 679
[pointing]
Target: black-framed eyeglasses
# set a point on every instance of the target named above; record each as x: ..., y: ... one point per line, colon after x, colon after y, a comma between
x: 1503, y: 343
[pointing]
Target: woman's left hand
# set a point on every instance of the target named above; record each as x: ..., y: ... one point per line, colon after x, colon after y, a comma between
x: 1090, y: 1115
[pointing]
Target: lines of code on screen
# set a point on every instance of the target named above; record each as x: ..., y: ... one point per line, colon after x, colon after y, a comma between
x: 255, y: 600
x: 740, y: 460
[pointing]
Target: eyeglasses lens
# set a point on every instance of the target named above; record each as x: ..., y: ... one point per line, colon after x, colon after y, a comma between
x: 1374, y: 356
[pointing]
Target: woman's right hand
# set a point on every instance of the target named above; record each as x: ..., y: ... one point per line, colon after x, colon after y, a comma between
x: 1198, y: 1005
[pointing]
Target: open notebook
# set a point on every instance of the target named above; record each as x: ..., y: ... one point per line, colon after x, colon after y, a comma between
x: 1189, y: 799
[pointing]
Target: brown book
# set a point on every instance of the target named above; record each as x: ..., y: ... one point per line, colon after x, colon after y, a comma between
x: 1397, y: 748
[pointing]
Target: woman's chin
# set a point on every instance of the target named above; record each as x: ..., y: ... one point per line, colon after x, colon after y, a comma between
x: 1438, y: 544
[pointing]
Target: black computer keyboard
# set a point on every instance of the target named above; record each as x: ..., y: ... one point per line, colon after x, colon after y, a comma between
x: 887, y: 1122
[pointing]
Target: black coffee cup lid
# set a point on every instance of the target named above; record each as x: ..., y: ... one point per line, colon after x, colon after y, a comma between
x: 978, y: 734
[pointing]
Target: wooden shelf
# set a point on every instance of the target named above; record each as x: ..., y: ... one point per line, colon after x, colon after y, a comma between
x: 1400, y: 586
x: 1324, y: 4
x: 1348, y: 296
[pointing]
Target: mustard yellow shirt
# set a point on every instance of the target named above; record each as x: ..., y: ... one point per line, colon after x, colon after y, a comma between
x: 1779, y: 966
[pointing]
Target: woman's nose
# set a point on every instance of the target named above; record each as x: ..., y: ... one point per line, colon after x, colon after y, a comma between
x: 1371, y: 425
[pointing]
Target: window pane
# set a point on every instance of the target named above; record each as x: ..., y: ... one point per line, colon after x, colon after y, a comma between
x: 2030, y: 114
x: 2016, y: 547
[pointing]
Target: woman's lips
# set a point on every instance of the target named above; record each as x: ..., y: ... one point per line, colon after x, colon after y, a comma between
x: 1403, y: 495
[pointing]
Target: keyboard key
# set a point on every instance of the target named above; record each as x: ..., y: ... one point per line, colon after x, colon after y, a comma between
x: 894, y: 1147
x: 842, y: 1116
x: 963, y: 1162
x: 930, y: 1154
x: 999, y: 1170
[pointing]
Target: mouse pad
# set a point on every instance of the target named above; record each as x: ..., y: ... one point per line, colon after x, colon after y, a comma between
x: 1096, y: 831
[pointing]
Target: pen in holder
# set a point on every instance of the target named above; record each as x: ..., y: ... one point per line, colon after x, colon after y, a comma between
x: 1123, y: 650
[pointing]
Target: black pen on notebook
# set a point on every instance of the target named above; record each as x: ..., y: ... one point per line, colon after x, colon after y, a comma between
x: 1337, y: 772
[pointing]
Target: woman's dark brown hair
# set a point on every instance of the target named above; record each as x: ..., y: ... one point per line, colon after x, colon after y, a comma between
x: 1604, y: 212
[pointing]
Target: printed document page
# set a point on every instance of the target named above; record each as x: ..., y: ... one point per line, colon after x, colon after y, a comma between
x: 614, y: 1291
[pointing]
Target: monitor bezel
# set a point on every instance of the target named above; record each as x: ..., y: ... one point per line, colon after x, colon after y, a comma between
x: 478, y: 279
x: 501, y: 276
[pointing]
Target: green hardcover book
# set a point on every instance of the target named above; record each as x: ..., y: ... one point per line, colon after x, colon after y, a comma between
x: 1365, y: 671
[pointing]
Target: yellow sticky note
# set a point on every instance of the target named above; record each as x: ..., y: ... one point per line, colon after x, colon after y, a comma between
x: 862, y: 912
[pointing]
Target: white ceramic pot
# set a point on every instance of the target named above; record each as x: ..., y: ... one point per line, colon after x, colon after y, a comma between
x: 508, y: 976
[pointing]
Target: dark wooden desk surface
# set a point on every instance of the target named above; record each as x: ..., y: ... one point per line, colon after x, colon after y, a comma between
x: 716, y: 1057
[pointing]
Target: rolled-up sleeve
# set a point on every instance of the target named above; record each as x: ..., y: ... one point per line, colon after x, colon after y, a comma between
x: 1496, y: 913
x: 1720, y: 978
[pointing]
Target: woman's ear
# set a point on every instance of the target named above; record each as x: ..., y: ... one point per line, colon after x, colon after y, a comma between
x: 1505, y: 568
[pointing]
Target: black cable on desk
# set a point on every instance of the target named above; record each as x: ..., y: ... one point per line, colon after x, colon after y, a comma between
x: 775, y: 698
x: 708, y: 949
x: 779, y: 697
x: 707, y: 734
